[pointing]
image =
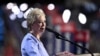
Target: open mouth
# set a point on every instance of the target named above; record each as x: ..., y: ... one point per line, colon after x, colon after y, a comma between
x: 42, y: 29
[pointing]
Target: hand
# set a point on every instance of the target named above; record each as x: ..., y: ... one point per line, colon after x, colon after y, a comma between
x: 65, y: 53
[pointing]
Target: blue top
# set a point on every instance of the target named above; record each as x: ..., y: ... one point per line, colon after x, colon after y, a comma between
x: 31, y: 46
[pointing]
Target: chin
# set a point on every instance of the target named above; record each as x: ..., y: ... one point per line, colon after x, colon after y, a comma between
x: 41, y: 31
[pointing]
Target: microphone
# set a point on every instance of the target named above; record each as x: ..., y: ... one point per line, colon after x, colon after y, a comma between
x: 56, y: 33
x: 59, y: 36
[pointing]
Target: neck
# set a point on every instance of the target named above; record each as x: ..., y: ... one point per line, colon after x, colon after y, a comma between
x: 36, y: 35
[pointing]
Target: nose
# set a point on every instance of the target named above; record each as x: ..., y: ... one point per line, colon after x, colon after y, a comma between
x: 43, y: 24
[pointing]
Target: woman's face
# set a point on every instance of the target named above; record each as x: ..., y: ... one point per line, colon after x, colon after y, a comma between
x: 39, y: 25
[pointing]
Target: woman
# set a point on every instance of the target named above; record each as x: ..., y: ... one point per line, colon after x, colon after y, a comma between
x: 31, y: 44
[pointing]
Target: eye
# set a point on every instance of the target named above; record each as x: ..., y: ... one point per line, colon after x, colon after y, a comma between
x: 39, y: 22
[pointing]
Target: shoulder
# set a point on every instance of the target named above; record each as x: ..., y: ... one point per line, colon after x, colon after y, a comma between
x: 28, y: 42
x: 29, y: 39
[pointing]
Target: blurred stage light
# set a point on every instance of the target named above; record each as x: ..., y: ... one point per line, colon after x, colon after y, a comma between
x: 51, y: 6
x: 66, y: 15
x: 24, y: 24
x: 20, y: 15
x: 23, y: 6
x: 10, y: 5
x: 15, y: 10
x: 12, y: 16
x: 82, y: 18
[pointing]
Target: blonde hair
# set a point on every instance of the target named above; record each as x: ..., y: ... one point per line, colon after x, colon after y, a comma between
x: 33, y: 15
